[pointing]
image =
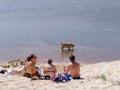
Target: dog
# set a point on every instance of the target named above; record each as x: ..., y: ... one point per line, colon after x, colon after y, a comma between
x: 67, y: 45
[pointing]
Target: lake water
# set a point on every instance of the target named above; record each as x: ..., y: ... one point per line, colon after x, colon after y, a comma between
x: 37, y: 26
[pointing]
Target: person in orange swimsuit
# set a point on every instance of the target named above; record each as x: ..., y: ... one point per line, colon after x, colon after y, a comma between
x: 30, y: 67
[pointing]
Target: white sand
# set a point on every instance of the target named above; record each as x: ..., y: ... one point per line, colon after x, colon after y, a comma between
x: 110, y: 71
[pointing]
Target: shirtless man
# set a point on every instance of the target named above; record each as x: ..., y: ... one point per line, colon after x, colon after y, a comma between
x: 50, y: 69
x: 73, y: 68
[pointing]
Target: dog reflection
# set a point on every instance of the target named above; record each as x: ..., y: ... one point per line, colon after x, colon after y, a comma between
x: 66, y: 53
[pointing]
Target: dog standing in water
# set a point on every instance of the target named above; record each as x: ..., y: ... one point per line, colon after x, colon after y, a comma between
x: 68, y: 45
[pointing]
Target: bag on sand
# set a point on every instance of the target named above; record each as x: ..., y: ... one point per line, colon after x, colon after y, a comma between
x: 3, y: 71
x: 60, y: 78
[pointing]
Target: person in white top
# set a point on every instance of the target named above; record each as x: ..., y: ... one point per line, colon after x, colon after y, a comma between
x: 19, y: 70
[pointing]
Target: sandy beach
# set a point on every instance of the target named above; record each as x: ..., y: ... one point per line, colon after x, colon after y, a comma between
x: 89, y: 30
x: 100, y: 76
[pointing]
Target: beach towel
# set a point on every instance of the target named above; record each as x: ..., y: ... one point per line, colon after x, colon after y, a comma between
x: 46, y: 77
x: 73, y: 78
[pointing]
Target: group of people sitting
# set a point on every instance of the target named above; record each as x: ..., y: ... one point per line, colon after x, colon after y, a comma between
x: 30, y: 69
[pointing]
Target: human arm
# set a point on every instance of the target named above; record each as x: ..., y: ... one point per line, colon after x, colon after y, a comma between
x: 43, y: 69
x: 55, y: 69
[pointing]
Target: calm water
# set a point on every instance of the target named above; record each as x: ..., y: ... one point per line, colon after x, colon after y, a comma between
x: 37, y: 26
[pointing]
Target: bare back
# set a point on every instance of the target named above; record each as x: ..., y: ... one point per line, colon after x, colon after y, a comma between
x: 50, y: 70
x: 73, y: 69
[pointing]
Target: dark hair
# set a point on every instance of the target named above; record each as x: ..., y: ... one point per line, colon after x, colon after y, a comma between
x: 31, y: 57
x: 28, y: 59
x: 50, y: 61
x: 72, y: 58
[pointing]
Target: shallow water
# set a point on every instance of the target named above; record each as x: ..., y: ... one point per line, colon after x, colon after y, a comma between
x: 28, y: 26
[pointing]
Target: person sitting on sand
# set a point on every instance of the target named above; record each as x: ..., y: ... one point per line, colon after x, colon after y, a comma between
x: 73, y: 68
x: 31, y: 69
x: 19, y: 70
x: 50, y: 69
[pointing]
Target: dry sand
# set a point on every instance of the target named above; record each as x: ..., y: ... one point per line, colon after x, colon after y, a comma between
x: 101, y: 76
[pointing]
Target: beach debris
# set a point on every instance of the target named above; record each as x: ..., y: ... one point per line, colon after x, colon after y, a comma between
x: 14, y: 63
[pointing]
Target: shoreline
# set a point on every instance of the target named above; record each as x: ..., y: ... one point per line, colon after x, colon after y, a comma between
x: 44, y: 61
x: 84, y: 54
